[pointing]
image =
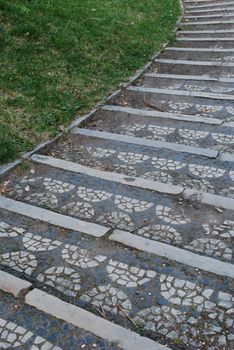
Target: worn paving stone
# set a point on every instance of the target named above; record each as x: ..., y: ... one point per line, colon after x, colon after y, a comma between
x: 131, y: 209
x: 170, y: 301
x: 161, y: 165
x: 25, y: 328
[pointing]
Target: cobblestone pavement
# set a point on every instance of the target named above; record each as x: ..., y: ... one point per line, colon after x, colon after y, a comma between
x: 130, y: 215
x: 23, y: 327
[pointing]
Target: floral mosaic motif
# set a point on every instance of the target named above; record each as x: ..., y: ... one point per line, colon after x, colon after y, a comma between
x: 20, y: 261
x: 168, y: 215
x: 162, y: 319
x: 81, y: 257
x: 167, y: 164
x: 117, y: 219
x: 192, y: 134
x: 158, y: 176
x: 99, y: 152
x: 160, y: 233
x: 108, y: 298
x: 63, y: 279
x: 224, y: 230
x: 91, y: 195
x: 221, y: 89
x: 44, y: 199
x: 132, y: 158
x: 204, y: 171
x: 179, y: 106
x: 210, y: 246
x: 223, y: 138
x: 172, y: 87
x: 186, y: 293
x: 12, y: 335
x: 128, y: 276
x: 208, y: 111
x: 56, y: 186
x: 230, y: 110
x: 131, y: 205
x: 194, y: 88
x: 231, y: 174
x: 160, y: 130
x: 228, y: 58
x: 79, y: 209
x: 42, y: 344
x: 201, y: 185
x: 132, y: 129
x: 8, y: 231
x: 126, y: 169
x: 38, y: 243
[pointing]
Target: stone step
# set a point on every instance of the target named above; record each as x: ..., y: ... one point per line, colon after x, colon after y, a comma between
x: 197, y: 83
x: 205, y: 43
x: 177, y: 102
x: 25, y: 327
x: 118, y: 206
x: 205, y: 17
x: 206, y: 34
x: 206, y: 26
x: 214, y: 57
x: 219, y: 10
x: 212, y: 5
x: 160, y: 164
x: 170, y: 66
x: 139, y: 290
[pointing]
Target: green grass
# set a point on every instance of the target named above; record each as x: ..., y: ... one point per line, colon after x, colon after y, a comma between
x: 59, y: 58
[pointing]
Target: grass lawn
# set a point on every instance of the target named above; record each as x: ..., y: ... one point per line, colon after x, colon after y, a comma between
x: 59, y: 58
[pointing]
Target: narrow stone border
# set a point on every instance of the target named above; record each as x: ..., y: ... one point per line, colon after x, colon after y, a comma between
x: 221, y: 9
x: 113, y: 333
x: 191, y: 77
x: 195, y: 63
x: 210, y: 199
x: 203, y: 197
x: 13, y: 285
x: 217, y: 31
x: 209, y: 5
x: 199, y: 1
x: 205, y: 39
x: 173, y: 253
x: 197, y: 23
x: 109, y: 176
x: 144, y: 142
x: 53, y: 218
x: 209, y: 16
x: 198, y: 94
x: 164, y: 115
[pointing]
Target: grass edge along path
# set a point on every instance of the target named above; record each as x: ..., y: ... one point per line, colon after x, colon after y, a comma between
x: 58, y: 59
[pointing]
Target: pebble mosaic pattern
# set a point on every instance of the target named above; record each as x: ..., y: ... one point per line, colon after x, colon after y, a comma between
x: 211, y: 179
x: 128, y: 276
x: 113, y: 284
x: 172, y: 223
x: 25, y: 328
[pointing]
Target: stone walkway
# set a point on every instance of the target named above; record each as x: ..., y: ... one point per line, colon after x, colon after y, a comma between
x: 130, y: 216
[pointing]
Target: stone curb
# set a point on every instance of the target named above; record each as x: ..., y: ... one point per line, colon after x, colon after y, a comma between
x: 53, y: 218
x: 164, y: 115
x: 126, y: 339
x: 145, y: 142
x: 109, y: 176
x: 13, y: 285
x: 210, y: 95
x: 173, y: 253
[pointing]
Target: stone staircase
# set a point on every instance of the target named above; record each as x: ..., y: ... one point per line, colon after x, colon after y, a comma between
x: 130, y: 215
